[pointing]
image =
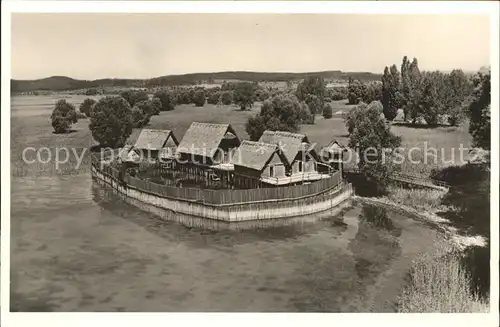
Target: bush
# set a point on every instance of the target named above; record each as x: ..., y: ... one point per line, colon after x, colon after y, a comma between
x: 226, y: 97
x: 199, y: 98
x: 338, y: 93
x: 420, y: 199
x: 86, y: 106
x: 60, y: 124
x: 111, y: 121
x: 327, y: 111
x: 63, y: 116
x: 91, y: 92
x: 373, y: 92
x: 377, y: 105
x: 166, y: 98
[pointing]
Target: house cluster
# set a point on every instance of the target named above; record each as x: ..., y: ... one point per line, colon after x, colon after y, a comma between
x: 208, y: 149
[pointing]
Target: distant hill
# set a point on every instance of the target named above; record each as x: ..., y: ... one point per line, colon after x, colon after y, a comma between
x: 64, y: 83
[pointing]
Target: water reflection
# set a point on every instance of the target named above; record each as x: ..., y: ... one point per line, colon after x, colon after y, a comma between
x: 94, y: 251
x: 165, y: 223
x: 377, y: 216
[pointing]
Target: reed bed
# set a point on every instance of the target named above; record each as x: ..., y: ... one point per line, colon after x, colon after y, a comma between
x: 420, y: 199
x: 440, y: 284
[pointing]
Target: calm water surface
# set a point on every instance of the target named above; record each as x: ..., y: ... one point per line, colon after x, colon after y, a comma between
x: 76, y: 247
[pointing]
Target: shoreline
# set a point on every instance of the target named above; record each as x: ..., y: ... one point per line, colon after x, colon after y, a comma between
x: 450, y: 233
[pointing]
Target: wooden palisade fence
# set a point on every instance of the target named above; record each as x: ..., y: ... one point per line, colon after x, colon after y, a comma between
x: 227, y: 196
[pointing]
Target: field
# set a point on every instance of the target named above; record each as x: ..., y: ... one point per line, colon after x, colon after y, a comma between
x: 37, y: 130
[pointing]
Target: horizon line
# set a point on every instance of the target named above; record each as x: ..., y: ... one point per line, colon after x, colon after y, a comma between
x: 231, y: 71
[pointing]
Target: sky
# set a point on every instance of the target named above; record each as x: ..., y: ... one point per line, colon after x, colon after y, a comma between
x: 91, y: 46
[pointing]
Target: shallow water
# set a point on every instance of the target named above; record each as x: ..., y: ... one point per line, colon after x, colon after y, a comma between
x: 77, y: 247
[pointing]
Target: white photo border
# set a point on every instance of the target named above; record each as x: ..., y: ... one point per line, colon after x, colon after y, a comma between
x: 243, y: 319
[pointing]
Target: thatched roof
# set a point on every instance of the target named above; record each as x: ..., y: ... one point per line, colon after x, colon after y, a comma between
x: 289, y: 143
x: 335, y: 146
x: 255, y: 155
x: 127, y: 155
x: 204, y: 138
x: 153, y: 139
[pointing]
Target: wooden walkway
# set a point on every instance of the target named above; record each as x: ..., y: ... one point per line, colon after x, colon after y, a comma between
x: 411, y: 180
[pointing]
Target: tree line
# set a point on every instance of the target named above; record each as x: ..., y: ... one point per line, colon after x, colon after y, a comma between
x: 425, y: 97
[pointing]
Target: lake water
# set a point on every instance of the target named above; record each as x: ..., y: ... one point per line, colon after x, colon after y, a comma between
x: 77, y: 247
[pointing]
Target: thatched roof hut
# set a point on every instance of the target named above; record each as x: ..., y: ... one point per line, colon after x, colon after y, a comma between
x: 205, y: 139
x: 335, y: 147
x: 127, y: 155
x: 256, y: 155
x: 290, y: 143
x: 155, y: 139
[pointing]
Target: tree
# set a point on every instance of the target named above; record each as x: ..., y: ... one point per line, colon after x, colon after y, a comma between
x: 405, y: 82
x: 305, y: 114
x: 354, y: 115
x: 312, y: 85
x: 412, y: 103
x: 111, y: 121
x: 226, y: 97
x: 63, y: 116
x: 432, y: 97
x: 479, y: 111
x: 261, y: 95
x: 143, y: 111
x: 244, y: 94
x: 356, y: 91
x: 373, y: 92
x: 86, y: 106
x: 213, y: 97
x: 166, y: 98
x: 458, y: 90
x: 327, y: 111
x: 280, y: 113
x: 199, y: 98
x: 390, y: 92
x: 183, y: 96
x: 314, y: 103
x: 134, y: 96
x: 139, y: 117
x: 376, y: 146
x: 155, y: 106
x: 378, y: 106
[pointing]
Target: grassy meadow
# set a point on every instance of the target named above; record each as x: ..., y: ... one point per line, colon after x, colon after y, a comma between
x: 31, y: 127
